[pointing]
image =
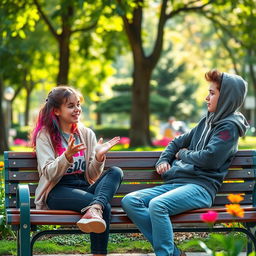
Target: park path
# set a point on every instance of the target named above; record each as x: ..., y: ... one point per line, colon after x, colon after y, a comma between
x: 136, y: 254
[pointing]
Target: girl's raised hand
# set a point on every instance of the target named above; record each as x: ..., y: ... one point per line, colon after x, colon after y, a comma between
x: 102, y: 148
x: 72, y: 149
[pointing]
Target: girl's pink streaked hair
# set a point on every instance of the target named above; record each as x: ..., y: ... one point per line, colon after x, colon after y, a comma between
x: 48, y: 120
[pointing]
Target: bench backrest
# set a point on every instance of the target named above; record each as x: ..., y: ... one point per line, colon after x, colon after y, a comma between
x: 139, y: 173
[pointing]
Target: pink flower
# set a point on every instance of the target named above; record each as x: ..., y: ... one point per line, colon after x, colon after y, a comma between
x: 209, y: 217
x: 124, y: 140
x: 162, y: 142
x: 20, y: 142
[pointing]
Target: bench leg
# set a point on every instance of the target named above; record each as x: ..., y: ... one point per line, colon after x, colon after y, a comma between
x: 251, y: 245
x: 23, y: 242
x: 18, y: 243
x: 23, y: 202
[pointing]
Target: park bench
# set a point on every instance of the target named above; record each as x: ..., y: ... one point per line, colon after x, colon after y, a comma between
x: 21, y: 178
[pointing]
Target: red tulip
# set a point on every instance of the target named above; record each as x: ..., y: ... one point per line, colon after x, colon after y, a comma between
x: 209, y: 217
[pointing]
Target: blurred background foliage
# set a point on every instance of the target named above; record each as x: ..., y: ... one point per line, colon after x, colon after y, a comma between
x: 136, y: 62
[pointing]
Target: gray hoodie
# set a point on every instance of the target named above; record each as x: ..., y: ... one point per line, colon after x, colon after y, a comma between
x: 211, y: 145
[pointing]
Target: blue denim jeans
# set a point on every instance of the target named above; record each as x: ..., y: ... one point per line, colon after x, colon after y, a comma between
x: 74, y: 193
x: 150, y: 209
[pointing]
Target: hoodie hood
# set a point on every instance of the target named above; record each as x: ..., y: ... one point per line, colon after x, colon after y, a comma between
x: 232, y: 95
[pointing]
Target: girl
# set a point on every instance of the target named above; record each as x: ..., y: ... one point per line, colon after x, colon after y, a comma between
x: 193, y: 165
x: 70, y: 165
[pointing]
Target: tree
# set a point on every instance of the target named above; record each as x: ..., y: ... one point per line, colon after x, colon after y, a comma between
x: 177, y: 97
x: 65, y: 19
x: 12, y: 29
x: 68, y: 18
x: 132, y: 16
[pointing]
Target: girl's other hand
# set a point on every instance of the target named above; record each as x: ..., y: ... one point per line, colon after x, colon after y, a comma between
x: 102, y: 148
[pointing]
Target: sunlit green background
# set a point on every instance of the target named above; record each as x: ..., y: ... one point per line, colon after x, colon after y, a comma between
x: 136, y: 62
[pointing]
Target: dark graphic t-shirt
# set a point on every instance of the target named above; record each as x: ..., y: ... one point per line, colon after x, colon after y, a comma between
x: 78, y: 165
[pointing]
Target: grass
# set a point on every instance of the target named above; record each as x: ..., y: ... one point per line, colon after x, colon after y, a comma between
x: 119, y: 243
x: 247, y: 142
x: 72, y: 244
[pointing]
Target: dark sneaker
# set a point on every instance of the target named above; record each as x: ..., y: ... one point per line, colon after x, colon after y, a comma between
x: 92, y: 221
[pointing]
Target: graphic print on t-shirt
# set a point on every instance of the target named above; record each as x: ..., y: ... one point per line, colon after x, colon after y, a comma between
x: 78, y: 165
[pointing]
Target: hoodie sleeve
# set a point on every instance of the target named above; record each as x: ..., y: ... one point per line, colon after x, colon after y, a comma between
x: 182, y: 141
x: 221, y: 146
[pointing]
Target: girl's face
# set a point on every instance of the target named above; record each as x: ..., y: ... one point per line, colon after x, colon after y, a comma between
x: 213, y: 97
x: 69, y: 112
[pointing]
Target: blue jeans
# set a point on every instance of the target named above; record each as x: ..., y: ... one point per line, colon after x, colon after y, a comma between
x: 74, y: 193
x: 150, y: 209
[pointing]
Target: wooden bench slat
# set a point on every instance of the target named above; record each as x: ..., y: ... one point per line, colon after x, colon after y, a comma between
x: 115, y: 154
x: 18, y: 176
x: 119, y: 210
x: 127, y: 188
x: 150, y: 175
x: 242, y: 161
x: 70, y: 217
x: 116, y: 201
x: 140, y: 162
x: 237, y: 187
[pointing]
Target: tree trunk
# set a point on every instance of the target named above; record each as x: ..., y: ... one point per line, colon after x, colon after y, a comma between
x: 139, y: 131
x: 27, y: 107
x: 64, y: 53
x: 251, y: 52
x: 3, y: 136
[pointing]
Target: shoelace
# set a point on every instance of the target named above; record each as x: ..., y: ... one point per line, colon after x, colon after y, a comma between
x: 96, y: 211
x: 93, y: 208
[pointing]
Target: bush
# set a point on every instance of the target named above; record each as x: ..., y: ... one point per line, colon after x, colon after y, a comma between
x: 22, y: 133
x: 5, y: 231
x: 110, y: 132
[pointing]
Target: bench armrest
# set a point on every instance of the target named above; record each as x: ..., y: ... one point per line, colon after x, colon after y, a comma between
x: 23, y: 202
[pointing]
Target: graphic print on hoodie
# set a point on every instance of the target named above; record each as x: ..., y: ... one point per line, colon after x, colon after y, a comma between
x: 211, y: 145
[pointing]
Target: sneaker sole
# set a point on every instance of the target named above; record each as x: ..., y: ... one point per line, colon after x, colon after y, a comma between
x: 91, y: 225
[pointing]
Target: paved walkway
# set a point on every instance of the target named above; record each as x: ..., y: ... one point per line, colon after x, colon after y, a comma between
x: 136, y: 254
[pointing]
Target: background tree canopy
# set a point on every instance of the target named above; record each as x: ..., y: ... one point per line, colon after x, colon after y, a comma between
x: 162, y: 47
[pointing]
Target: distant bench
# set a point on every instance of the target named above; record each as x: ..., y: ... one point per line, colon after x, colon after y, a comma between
x: 21, y: 178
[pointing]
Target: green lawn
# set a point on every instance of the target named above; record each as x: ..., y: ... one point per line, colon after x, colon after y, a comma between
x: 247, y: 142
x: 119, y: 243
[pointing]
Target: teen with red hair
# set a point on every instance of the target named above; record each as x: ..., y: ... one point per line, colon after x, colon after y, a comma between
x: 70, y: 166
x: 193, y: 165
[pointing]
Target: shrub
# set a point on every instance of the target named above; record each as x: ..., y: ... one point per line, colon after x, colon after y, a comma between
x: 22, y: 133
x: 110, y: 132
x: 5, y: 231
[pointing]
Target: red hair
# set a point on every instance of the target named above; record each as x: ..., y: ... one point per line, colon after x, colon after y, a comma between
x: 48, y: 120
x: 214, y: 76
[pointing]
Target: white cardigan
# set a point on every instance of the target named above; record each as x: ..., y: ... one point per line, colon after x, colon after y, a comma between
x: 52, y: 167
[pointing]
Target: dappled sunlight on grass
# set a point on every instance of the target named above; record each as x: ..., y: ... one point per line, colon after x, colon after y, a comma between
x: 20, y: 148
x: 247, y: 142
x: 146, y: 148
